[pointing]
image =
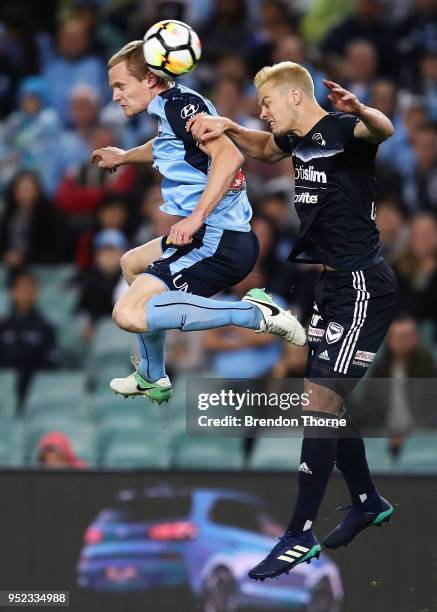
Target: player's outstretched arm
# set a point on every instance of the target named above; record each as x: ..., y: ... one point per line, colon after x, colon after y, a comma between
x: 373, y: 126
x: 253, y: 143
x: 226, y: 160
x: 112, y: 157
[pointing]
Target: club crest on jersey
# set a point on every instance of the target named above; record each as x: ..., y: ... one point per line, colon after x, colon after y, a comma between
x: 239, y: 181
x: 319, y: 139
x: 334, y: 332
x: 188, y: 110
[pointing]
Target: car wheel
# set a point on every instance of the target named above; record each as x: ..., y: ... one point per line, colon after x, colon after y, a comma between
x: 219, y: 591
x: 323, y: 598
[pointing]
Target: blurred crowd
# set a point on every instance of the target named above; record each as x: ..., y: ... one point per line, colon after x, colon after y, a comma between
x: 57, y: 208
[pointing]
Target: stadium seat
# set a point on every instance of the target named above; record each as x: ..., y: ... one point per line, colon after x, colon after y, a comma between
x: 207, y: 453
x: 134, y: 452
x: 11, y: 443
x: 110, y: 340
x: 4, y: 302
x: 419, y: 454
x: 57, y: 304
x: 73, y: 347
x: 108, y: 367
x: 106, y: 403
x: 54, y: 275
x: 69, y: 406
x: 3, y: 275
x: 378, y: 456
x: 8, y: 396
x: 278, y: 453
x: 129, y: 426
x: 58, y: 384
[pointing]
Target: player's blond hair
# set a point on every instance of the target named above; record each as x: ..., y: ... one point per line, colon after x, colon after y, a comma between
x: 286, y: 73
x: 133, y: 55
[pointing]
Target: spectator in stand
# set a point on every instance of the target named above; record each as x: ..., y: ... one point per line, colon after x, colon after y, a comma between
x: 394, y: 234
x: 292, y: 48
x: 29, y: 135
x: 396, y: 151
x: 396, y: 166
x: 366, y: 23
x: 418, y: 28
x: 9, y: 78
x: 75, y: 144
x: 229, y: 101
x: 73, y: 66
x: 98, y: 284
x: 420, y: 179
x: 151, y: 201
x: 276, y: 21
x: 230, y: 65
x: 84, y: 187
x: 31, y: 230
x: 360, y: 68
x: 416, y: 269
x: 227, y: 29
x: 27, y: 339
x: 56, y: 452
x: 321, y: 17
x: 112, y: 214
x: 398, y: 401
x: 426, y: 85
x: 25, y: 46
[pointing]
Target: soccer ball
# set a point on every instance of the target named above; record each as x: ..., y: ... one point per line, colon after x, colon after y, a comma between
x: 171, y: 48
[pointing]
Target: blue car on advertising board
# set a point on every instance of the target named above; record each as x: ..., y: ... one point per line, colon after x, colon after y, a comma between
x: 205, y: 540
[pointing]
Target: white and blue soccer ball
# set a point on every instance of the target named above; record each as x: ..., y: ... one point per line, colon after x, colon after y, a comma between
x: 171, y: 48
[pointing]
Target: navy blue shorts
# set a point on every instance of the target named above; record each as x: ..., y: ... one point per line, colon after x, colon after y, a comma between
x: 215, y: 260
x: 351, y: 316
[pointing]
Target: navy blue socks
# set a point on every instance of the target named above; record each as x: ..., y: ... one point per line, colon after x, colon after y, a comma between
x: 351, y: 461
x: 319, y: 448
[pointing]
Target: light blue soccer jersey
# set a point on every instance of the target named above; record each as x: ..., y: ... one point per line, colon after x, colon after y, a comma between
x: 184, y: 166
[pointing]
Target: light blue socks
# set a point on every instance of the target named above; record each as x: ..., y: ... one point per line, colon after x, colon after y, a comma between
x: 152, y: 351
x: 188, y: 312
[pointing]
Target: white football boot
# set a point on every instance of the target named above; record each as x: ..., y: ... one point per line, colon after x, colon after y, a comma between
x: 276, y: 320
x: 134, y: 384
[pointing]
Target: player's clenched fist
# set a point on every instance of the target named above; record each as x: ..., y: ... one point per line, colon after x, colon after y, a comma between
x: 205, y: 127
x: 342, y: 99
x: 108, y: 157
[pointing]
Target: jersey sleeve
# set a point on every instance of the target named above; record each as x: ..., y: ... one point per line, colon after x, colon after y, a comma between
x: 347, y: 125
x: 180, y: 110
x: 283, y: 142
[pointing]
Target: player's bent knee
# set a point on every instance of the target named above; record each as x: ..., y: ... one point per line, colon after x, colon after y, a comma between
x: 123, y: 317
x: 118, y: 316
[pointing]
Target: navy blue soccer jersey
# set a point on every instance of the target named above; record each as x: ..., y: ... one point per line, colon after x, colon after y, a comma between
x: 334, y: 194
x: 184, y: 166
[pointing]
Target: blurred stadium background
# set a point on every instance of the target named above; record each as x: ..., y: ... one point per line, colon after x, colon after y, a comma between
x: 65, y: 224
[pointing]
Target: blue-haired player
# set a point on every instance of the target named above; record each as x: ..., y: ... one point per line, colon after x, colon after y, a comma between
x: 211, y: 248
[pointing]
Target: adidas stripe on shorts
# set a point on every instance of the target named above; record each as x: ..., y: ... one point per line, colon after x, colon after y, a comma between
x: 352, y: 313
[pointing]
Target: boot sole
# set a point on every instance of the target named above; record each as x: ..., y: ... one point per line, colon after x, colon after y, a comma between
x: 151, y: 399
